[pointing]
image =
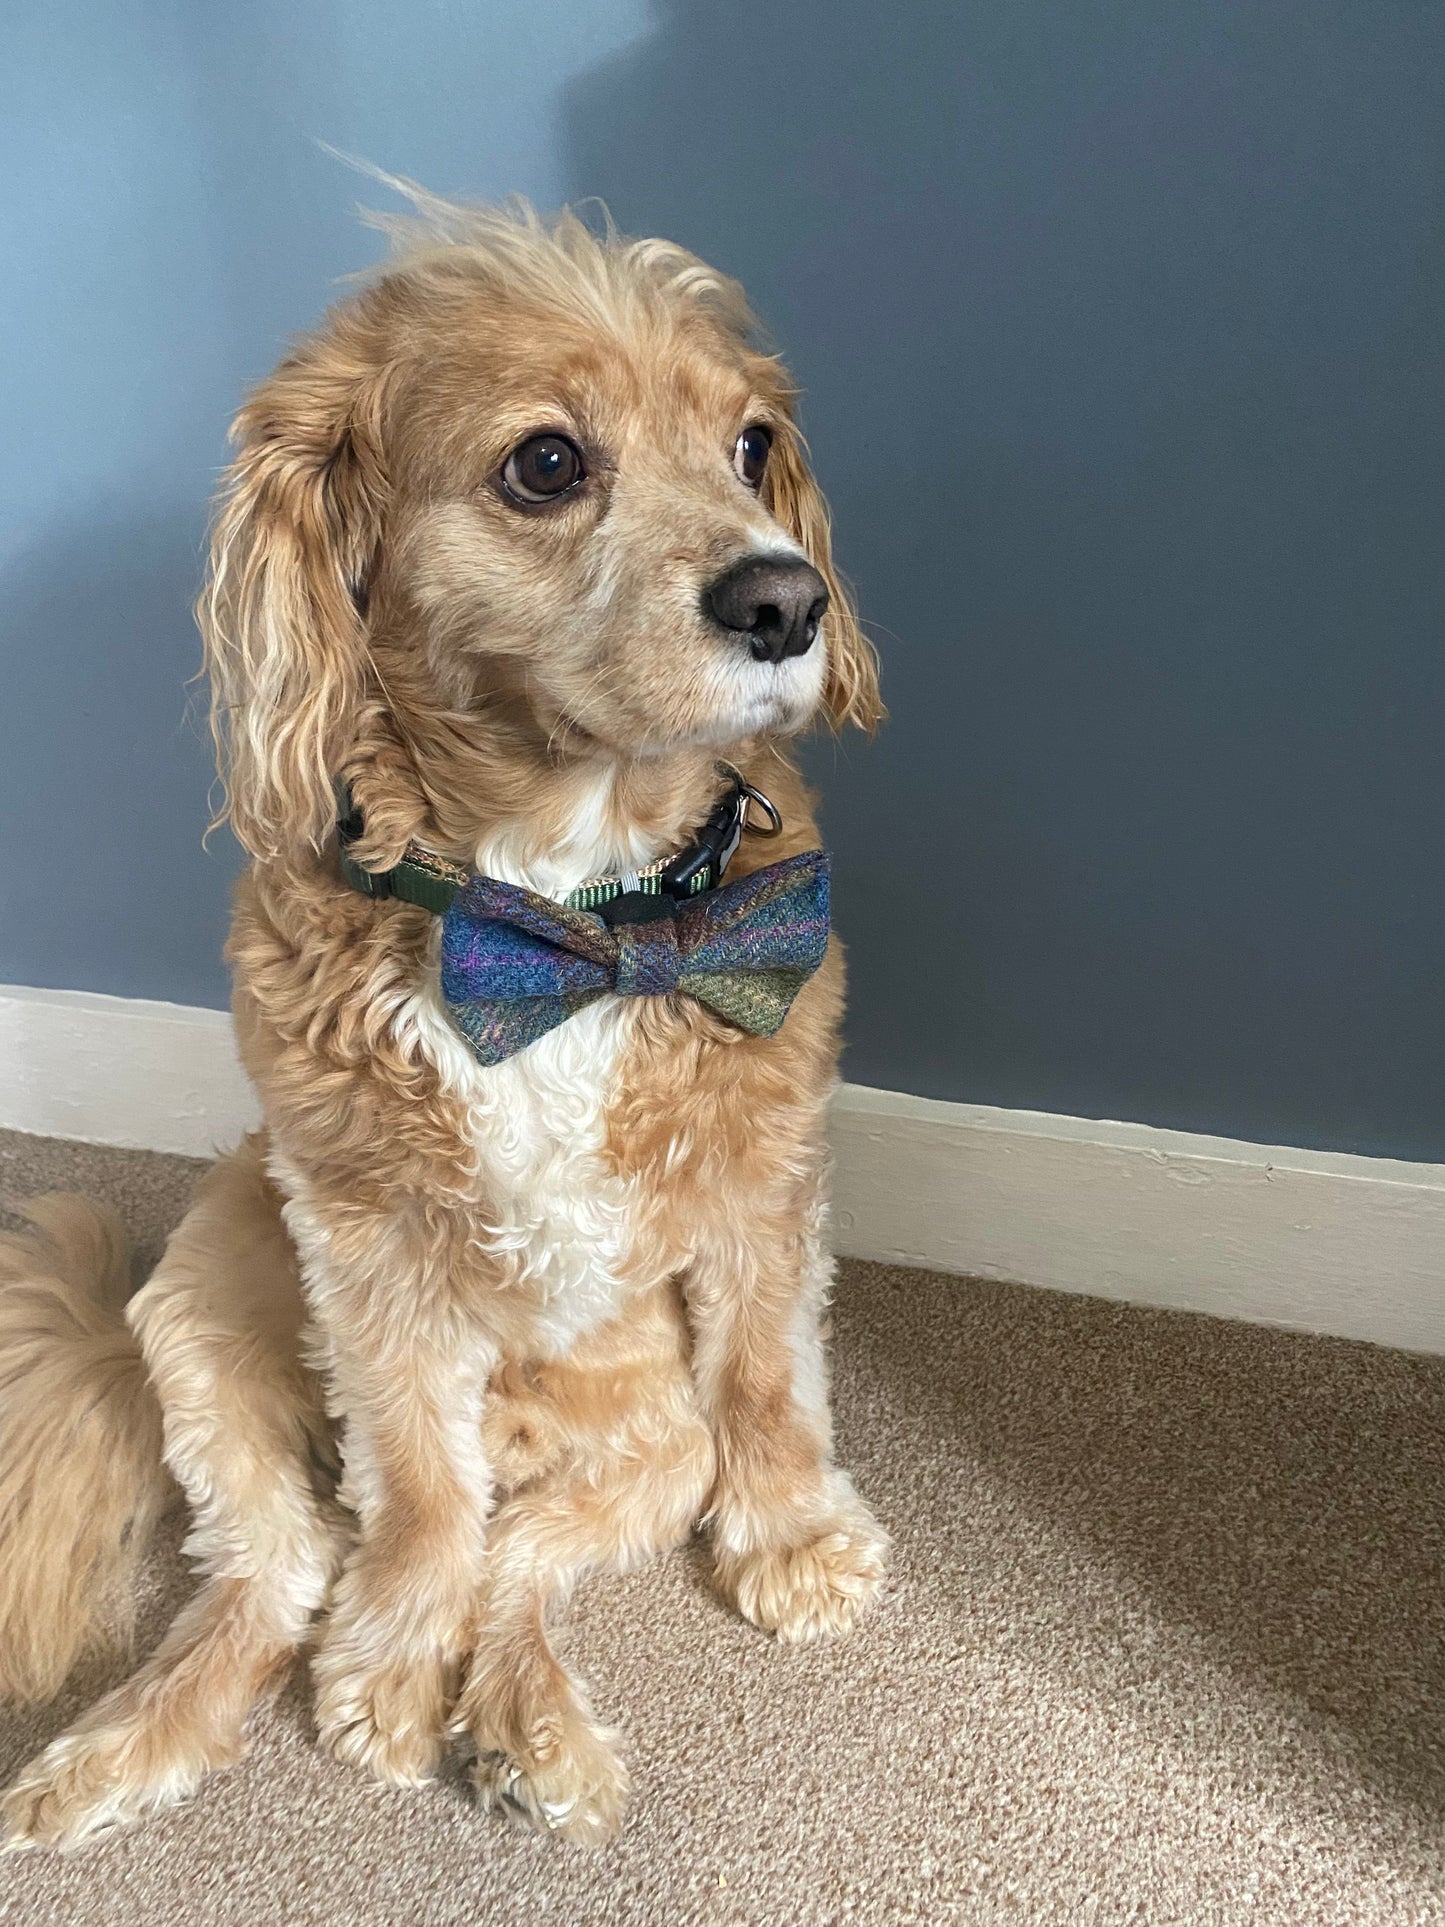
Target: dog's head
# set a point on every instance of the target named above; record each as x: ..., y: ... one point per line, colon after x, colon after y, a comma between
x: 531, y: 473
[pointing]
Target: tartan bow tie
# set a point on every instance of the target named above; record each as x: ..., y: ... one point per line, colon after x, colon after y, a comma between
x: 515, y: 965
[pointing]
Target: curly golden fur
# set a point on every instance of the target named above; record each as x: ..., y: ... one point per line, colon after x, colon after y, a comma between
x: 442, y: 1339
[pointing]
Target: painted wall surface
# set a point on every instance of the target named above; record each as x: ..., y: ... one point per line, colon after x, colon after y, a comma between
x: 1123, y: 335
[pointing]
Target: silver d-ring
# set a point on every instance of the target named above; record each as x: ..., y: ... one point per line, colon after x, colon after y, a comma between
x: 775, y: 821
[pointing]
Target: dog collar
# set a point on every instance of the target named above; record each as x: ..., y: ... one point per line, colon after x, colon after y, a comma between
x: 433, y: 882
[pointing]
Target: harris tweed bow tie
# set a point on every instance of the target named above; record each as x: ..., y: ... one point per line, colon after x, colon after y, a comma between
x: 515, y: 965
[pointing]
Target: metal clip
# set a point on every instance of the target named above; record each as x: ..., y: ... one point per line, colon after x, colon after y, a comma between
x: 775, y: 820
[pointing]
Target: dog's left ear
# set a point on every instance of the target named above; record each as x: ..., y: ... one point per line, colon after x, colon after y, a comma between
x: 283, y: 613
x: 850, y: 694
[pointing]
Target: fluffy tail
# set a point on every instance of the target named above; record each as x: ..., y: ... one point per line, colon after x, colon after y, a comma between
x: 81, y: 1477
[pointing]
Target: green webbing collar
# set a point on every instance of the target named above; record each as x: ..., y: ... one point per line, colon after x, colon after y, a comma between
x: 421, y: 877
x: 432, y: 882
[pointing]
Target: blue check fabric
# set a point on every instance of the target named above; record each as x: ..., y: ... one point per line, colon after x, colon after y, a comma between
x: 515, y: 965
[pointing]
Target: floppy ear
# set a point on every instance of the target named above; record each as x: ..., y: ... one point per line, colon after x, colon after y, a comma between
x: 850, y: 694
x: 292, y: 546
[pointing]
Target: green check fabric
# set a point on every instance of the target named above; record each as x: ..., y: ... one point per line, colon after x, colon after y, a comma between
x: 515, y: 965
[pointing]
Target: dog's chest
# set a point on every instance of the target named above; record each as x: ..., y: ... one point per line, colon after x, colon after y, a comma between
x: 553, y: 1214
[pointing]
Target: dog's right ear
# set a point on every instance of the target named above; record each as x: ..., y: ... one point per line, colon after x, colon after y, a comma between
x: 294, y: 541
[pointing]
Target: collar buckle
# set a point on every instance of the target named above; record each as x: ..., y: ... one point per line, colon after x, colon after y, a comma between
x: 702, y: 864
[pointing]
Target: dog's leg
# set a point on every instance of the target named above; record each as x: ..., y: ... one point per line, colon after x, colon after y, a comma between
x: 219, y: 1325
x: 542, y: 1756
x: 795, y: 1548
x: 420, y: 1486
x: 407, y: 1365
x: 150, y: 1742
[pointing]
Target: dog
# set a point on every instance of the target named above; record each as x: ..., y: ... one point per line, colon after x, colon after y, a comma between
x: 520, y: 584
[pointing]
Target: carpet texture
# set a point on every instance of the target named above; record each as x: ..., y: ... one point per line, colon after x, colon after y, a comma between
x: 1164, y: 1643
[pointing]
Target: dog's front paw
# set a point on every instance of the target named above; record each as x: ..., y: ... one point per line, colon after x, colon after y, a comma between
x: 386, y: 1715
x: 565, y: 1779
x: 542, y: 1758
x: 810, y: 1586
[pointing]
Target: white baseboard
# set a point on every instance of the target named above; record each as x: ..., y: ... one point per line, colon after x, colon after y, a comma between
x: 1316, y: 1240
x: 121, y: 1070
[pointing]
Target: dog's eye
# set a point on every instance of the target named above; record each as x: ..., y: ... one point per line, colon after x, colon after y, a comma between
x: 542, y: 468
x: 750, y: 457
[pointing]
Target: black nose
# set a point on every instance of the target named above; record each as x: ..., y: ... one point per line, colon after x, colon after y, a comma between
x: 776, y: 601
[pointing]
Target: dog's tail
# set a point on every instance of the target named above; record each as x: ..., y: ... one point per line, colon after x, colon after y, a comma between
x: 81, y: 1477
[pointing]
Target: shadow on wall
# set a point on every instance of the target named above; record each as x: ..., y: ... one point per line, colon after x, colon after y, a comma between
x: 1119, y: 337
x: 99, y: 645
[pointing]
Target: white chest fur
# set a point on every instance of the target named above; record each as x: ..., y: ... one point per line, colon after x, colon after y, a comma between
x: 551, y: 1212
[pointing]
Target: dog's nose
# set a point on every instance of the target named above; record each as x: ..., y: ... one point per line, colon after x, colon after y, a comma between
x: 776, y: 601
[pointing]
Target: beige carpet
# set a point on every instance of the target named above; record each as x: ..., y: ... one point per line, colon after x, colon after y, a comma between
x: 1165, y: 1643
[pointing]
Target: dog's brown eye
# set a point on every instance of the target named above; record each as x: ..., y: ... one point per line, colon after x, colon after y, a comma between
x: 750, y: 457
x: 542, y: 469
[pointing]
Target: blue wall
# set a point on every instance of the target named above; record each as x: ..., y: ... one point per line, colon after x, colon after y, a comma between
x: 1123, y: 331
